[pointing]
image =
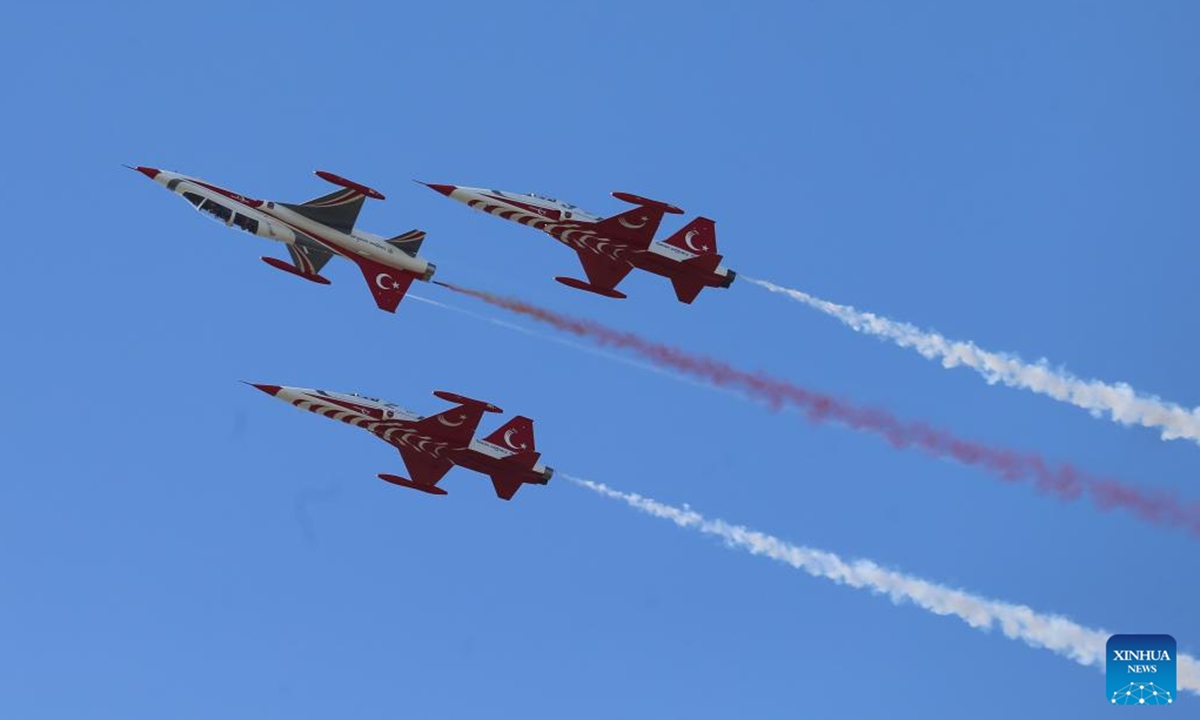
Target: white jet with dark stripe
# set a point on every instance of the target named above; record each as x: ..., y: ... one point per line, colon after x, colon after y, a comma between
x: 314, y: 231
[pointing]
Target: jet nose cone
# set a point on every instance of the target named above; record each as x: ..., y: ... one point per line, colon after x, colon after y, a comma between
x: 443, y: 189
x: 268, y: 389
x: 147, y: 171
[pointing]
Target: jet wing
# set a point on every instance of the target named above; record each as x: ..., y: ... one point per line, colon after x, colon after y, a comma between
x: 603, y: 272
x: 339, y: 209
x: 309, y: 259
x: 634, y: 227
x: 388, y: 285
x: 456, y: 425
x: 424, y: 469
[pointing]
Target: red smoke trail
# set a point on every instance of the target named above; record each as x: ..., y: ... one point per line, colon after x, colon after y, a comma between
x: 1065, y: 481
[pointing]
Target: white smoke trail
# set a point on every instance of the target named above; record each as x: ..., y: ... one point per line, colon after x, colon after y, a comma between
x: 1054, y: 632
x: 1120, y: 401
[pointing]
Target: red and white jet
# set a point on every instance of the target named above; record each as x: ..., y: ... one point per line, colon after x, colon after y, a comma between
x: 314, y: 231
x: 430, y: 446
x: 610, y: 247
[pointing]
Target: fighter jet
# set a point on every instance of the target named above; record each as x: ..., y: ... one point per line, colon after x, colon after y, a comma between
x: 314, y: 231
x: 430, y: 446
x: 610, y: 247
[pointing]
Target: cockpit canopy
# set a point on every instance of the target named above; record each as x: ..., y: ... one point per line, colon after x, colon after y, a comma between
x: 364, y: 397
x: 221, y: 213
x: 569, y: 209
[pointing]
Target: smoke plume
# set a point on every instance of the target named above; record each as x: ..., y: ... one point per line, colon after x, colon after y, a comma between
x: 1063, y: 481
x: 1055, y: 633
x: 1120, y: 402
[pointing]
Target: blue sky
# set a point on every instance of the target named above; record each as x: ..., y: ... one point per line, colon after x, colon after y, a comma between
x: 176, y: 544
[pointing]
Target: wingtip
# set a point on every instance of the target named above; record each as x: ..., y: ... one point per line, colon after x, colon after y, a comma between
x: 350, y: 184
